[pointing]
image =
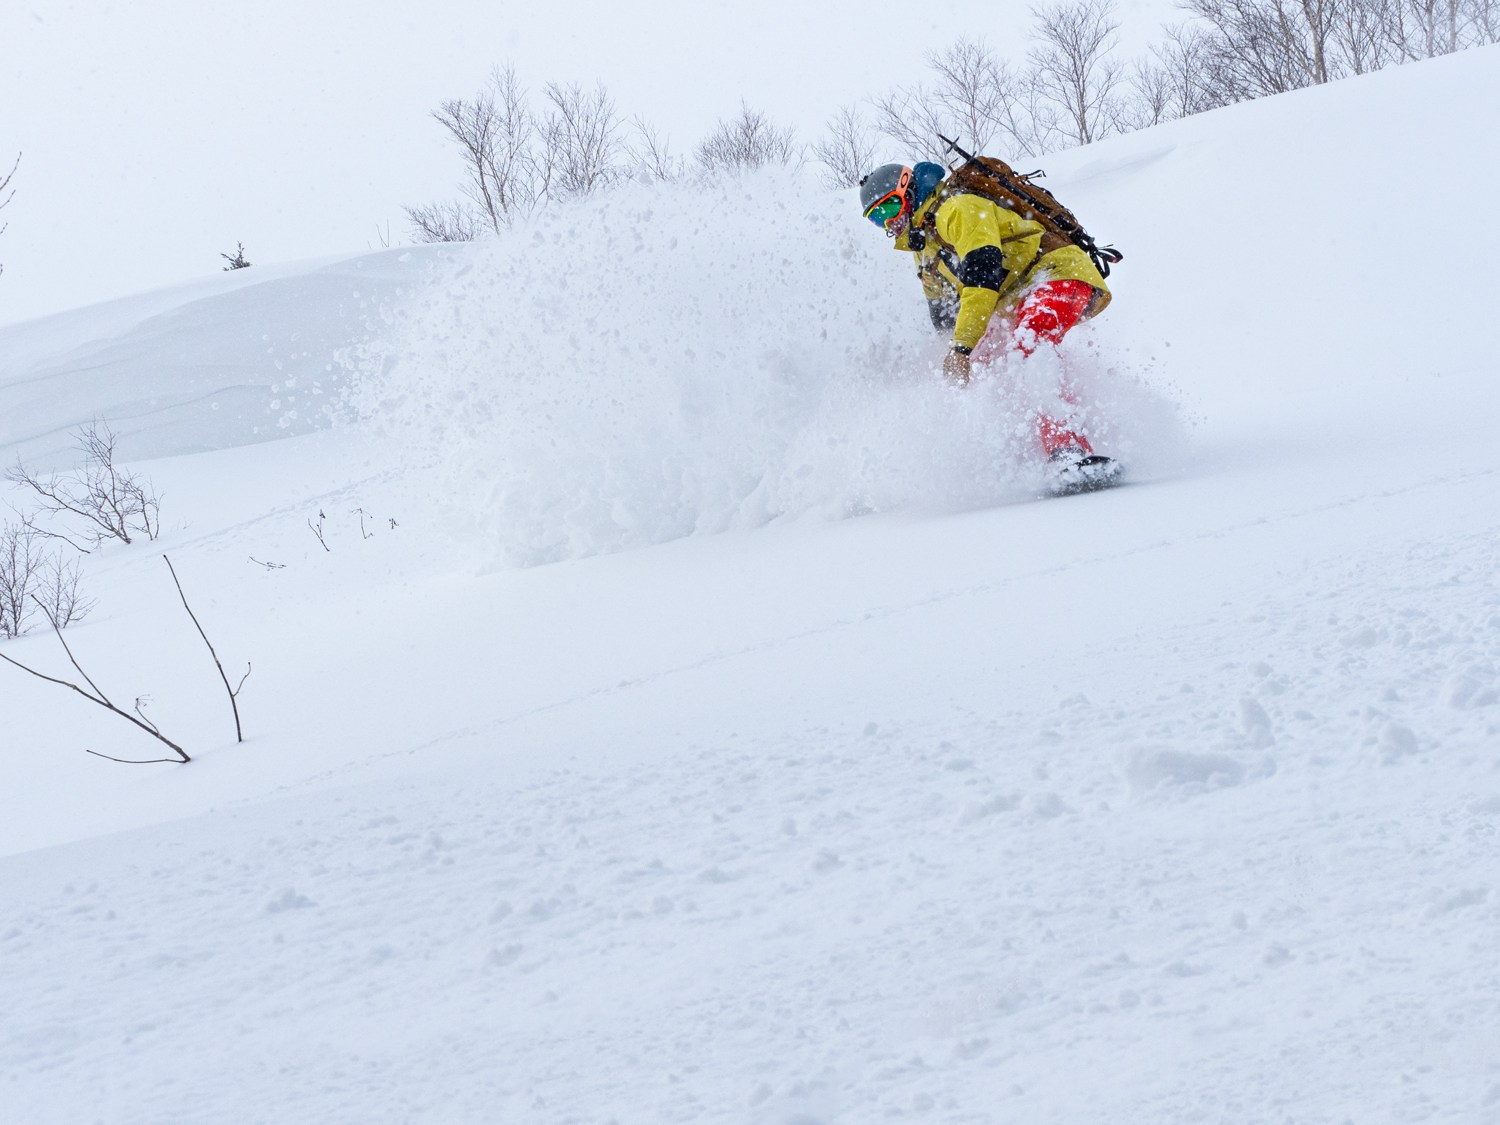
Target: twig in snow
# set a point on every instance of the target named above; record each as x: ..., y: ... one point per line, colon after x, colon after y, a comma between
x: 318, y: 531
x: 234, y: 692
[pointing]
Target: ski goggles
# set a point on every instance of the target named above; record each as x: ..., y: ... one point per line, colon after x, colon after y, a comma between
x: 889, y: 207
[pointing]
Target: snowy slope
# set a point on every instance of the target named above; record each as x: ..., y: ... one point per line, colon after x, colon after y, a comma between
x: 1177, y: 803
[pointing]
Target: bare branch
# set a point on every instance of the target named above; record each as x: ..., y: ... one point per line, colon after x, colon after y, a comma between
x: 140, y: 709
x: 7, y: 195
x: 234, y: 706
x: 98, y: 697
x: 133, y: 761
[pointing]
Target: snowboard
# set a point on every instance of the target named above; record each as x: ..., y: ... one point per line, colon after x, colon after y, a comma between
x: 1090, y: 473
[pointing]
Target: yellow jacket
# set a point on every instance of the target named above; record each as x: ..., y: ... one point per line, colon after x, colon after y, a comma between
x: 975, y: 257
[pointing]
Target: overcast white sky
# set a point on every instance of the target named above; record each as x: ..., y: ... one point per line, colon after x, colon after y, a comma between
x: 158, y: 133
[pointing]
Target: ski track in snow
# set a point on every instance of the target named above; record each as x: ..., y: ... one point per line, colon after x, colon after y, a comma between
x: 919, y: 918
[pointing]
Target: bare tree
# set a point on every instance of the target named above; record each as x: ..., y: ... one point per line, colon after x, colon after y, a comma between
x: 495, y: 133
x: 1422, y: 29
x: 747, y: 142
x: 580, y: 139
x: 7, y: 193
x: 847, y: 150
x: 974, y: 96
x: 983, y: 97
x: 1260, y: 47
x: 1176, y: 81
x: 1484, y: 21
x: 651, y: 153
x: 515, y: 159
x: 34, y: 573
x: 110, y: 502
x: 60, y: 595
x: 1074, y: 69
x: 21, y: 562
x: 910, y: 117
x: 1153, y: 99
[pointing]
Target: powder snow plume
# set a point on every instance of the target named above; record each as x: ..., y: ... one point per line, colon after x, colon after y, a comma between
x: 674, y: 360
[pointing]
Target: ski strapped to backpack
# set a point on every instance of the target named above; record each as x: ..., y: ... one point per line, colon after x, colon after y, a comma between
x: 994, y: 179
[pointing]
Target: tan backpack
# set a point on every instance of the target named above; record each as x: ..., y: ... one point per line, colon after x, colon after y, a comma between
x: 992, y: 178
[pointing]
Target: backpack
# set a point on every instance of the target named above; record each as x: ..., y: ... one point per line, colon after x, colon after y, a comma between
x: 992, y: 178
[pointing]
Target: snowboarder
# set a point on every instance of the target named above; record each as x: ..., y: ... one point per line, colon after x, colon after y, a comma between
x: 988, y: 281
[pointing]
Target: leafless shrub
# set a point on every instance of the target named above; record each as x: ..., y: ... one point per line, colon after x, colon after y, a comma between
x: 746, y: 142
x: 495, y: 133
x: 514, y: 159
x: 651, y: 153
x: 1175, y: 81
x: 108, y: 501
x: 1074, y: 70
x: 33, y: 571
x: 847, y: 150
x: 237, y: 260
x: 580, y: 139
x: 450, y: 221
x: 21, y: 562
x: 60, y: 596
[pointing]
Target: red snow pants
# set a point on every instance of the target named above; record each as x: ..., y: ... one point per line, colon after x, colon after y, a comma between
x: 1046, y: 315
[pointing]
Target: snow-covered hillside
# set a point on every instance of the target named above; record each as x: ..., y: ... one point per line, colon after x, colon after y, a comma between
x: 692, y: 718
